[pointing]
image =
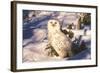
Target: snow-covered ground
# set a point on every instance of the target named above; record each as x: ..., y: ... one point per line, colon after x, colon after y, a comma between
x: 35, y: 38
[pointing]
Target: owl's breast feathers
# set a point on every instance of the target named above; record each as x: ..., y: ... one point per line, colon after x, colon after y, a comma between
x: 61, y: 40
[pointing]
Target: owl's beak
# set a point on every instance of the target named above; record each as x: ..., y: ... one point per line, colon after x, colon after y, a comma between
x: 53, y: 25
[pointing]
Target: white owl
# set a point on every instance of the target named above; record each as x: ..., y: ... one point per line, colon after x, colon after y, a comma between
x: 58, y: 40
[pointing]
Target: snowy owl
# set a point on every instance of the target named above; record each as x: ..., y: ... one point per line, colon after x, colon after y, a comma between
x: 58, y: 40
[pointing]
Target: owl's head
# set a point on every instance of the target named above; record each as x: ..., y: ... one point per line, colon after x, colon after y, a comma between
x: 53, y: 25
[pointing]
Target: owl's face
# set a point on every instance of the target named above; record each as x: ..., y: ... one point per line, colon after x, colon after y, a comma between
x: 53, y: 25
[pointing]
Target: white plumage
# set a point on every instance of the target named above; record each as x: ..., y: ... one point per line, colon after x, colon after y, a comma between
x: 58, y: 40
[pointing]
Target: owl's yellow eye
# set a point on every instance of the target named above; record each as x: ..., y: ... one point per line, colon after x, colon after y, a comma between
x: 55, y: 23
x: 51, y: 22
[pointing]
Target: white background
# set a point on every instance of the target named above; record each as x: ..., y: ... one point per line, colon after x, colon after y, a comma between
x: 5, y: 37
